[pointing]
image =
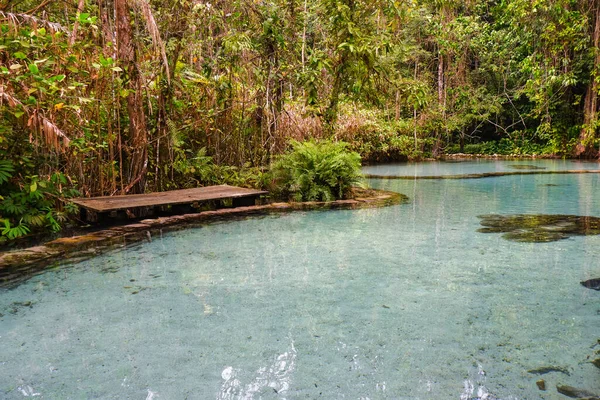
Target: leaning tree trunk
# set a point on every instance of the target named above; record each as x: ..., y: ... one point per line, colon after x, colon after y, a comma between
x: 585, y: 147
x: 137, y: 145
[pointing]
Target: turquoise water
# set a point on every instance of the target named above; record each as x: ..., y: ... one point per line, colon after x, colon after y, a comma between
x: 460, y: 167
x: 404, y: 302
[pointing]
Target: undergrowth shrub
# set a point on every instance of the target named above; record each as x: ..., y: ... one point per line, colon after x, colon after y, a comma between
x: 316, y: 171
x: 378, y: 139
x: 199, y: 169
x: 506, y: 147
x: 30, y: 203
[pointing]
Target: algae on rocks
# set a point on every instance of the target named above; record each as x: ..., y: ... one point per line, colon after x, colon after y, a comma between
x: 525, y: 167
x: 539, y: 228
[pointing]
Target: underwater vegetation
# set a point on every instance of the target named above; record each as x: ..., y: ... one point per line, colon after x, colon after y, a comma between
x: 539, y: 228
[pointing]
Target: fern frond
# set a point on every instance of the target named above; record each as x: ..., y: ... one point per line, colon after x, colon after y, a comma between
x: 6, y: 170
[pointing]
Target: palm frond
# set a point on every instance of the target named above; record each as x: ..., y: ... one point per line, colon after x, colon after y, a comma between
x: 37, y: 123
x: 51, y: 133
x: 15, y: 20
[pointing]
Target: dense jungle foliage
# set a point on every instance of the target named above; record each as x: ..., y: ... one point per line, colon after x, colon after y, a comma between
x: 102, y: 97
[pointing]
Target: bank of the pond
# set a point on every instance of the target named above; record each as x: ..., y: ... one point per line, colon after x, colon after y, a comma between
x: 481, y: 175
x: 20, y: 264
x: 501, y: 156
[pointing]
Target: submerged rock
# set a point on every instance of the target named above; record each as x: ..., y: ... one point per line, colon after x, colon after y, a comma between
x: 539, y: 228
x: 552, y: 185
x: 548, y: 369
x: 541, y: 384
x: 525, y: 166
x: 592, y: 284
x: 576, y: 393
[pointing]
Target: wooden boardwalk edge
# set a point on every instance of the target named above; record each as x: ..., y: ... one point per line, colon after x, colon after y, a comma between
x: 19, y: 265
x: 108, y: 204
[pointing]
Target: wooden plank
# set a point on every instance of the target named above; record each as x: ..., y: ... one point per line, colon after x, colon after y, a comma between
x: 174, y: 197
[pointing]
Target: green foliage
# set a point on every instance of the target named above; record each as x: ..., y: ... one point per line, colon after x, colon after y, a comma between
x: 33, y: 204
x: 393, y: 79
x: 314, y: 171
x: 6, y: 171
x: 377, y: 139
x: 505, y: 147
x: 201, y: 170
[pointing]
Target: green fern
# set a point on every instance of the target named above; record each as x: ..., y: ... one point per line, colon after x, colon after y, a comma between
x: 13, y: 232
x: 14, y: 204
x: 6, y: 170
x: 32, y: 206
x: 35, y: 220
x: 317, y: 171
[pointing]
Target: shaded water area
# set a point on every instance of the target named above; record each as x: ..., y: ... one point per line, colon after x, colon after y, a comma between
x: 404, y: 302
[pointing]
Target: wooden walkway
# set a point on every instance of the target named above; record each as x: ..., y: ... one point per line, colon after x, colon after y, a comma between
x: 94, y: 208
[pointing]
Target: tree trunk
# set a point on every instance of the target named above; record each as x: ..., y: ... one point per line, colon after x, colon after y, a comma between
x: 331, y: 113
x: 164, y: 141
x: 137, y: 144
x: 437, y: 145
x: 80, y: 6
x: 585, y: 147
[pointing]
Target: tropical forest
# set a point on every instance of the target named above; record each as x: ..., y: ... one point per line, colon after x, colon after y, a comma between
x: 132, y: 96
x: 300, y: 199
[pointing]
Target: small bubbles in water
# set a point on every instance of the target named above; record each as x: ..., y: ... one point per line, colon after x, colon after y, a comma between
x: 28, y: 391
x: 227, y: 373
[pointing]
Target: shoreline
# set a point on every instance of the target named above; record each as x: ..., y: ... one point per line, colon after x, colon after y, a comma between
x: 20, y: 264
x: 481, y: 175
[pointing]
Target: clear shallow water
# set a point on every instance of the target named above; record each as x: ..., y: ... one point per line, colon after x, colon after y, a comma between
x: 405, y: 302
x: 461, y: 167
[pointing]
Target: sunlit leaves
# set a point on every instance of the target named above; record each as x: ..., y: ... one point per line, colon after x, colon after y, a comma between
x: 33, y: 68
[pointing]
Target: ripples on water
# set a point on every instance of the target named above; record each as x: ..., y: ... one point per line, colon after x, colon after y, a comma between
x: 405, y: 302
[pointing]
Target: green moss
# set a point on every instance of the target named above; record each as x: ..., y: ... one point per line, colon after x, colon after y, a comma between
x: 539, y: 228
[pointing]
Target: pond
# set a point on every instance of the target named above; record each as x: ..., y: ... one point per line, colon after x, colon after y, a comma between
x: 478, y: 166
x: 412, y: 301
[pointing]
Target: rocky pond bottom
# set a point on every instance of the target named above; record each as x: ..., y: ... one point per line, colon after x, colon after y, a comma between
x: 537, y: 228
x: 402, y: 302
